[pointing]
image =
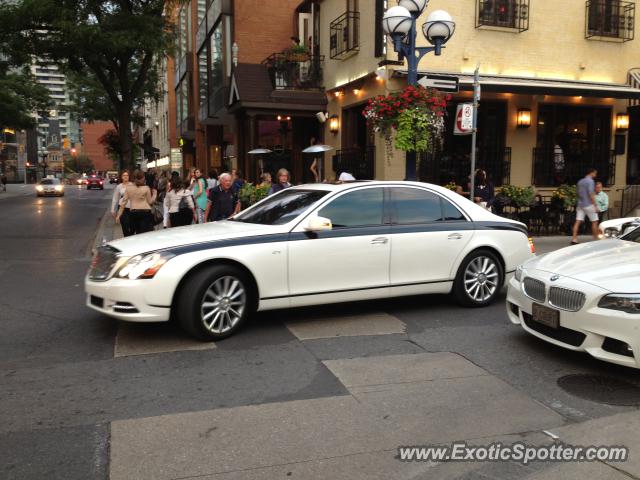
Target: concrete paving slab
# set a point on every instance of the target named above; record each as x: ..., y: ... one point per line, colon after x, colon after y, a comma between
x: 579, y: 471
x: 146, y: 339
x: 280, y: 434
x: 392, y: 369
x: 616, y: 430
x: 377, y: 323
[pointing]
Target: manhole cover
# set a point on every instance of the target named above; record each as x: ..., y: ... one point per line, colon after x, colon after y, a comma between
x: 601, y: 389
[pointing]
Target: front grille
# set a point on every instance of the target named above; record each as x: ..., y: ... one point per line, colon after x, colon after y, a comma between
x: 566, y: 299
x: 534, y: 289
x: 103, y: 262
x: 561, y: 334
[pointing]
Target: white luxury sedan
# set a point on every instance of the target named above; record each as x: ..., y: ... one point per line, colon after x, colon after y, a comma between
x: 583, y: 297
x: 309, y: 245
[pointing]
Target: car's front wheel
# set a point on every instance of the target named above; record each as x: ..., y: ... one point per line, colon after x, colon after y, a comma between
x: 479, y: 279
x: 214, y: 303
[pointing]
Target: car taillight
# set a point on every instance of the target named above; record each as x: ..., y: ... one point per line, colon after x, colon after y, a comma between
x: 531, y: 245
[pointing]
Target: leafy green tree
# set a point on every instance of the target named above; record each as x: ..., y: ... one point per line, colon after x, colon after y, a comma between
x: 79, y: 164
x: 116, y: 46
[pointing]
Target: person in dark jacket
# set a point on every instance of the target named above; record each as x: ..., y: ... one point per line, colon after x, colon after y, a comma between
x: 283, y: 178
x: 484, y: 193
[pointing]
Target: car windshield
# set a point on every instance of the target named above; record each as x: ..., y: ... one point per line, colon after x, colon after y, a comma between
x: 632, y: 236
x: 50, y: 181
x: 281, y: 208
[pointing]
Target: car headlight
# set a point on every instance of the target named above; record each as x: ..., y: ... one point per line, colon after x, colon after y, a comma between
x: 519, y: 275
x: 59, y: 188
x: 39, y: 188
x: 144, y: 266
x: 625, y: 302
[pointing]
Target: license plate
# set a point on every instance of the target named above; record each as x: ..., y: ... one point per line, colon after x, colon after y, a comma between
x: 546, y: 316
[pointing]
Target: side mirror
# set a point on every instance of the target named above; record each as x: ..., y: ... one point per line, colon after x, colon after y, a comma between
x: 318, y: 224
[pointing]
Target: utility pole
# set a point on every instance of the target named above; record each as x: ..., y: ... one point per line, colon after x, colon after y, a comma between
x: 476, y: 101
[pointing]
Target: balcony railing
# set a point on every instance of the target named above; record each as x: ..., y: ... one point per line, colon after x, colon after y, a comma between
x: 552, y: 168
x: 295, y: 71
x: 503, y: 14
x: 610, y: 20
x: 358, y: 162
x: 344, y: 36
x: 443, y: 167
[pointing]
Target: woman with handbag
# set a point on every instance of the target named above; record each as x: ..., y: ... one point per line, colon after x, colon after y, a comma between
x: 118, y: 194
x: 179, y: 204
x: 142, y: 200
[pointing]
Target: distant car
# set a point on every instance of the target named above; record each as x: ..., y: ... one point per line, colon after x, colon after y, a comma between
x: 618, y: 226
x: 95, y: 182
x: 309, y: 245
x: 112, y: 176
x: 82, y: 180
x: 584, y: 298
x: 50, y: 186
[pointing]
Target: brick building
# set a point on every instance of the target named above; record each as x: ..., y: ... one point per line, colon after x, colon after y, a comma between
x: 91, y: 132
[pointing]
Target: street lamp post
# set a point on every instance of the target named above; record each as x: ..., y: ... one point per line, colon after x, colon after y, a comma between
x: 400, y: 24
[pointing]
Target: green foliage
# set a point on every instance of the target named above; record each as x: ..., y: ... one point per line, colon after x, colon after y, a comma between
x: 20, y: 96
x: 250, y: 194
x: 413, y: 130
x: 79, y: 164
x: 567, y: 194
x: 519, y: 196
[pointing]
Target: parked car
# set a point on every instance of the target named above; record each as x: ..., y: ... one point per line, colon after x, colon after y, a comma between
x: 618, y: 226
x: 309, y: 245
x: 584, y: 297
x: 95, y: 182
x: 50, y: 186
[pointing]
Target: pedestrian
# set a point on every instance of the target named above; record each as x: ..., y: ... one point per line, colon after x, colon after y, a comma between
x: 118, y: 194
x: 265, y: 180
x: 200, y: 195
x: 163, y: 187
x: 238, y: 181
x: 179, y: 203
x: 587, y: 206
x: 602, y: 202
x: 283, y: 181
x: 3, y: 181
x: 142, y: 199
x: 223, y: 202
x: 484, y: 193
x: 212, y: 181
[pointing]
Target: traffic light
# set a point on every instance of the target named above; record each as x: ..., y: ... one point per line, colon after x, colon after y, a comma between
x: 73, y: 152
x: 65, y: 143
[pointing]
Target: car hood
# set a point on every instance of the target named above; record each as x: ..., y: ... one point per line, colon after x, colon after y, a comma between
x: 610, y: 264
x: 191, y: 234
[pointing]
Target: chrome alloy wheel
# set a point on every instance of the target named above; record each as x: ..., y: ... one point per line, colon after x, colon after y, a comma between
x: 223, y: 304
x: 481, y: 278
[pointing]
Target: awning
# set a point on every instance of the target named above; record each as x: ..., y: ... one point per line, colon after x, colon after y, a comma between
x: 542, y: 86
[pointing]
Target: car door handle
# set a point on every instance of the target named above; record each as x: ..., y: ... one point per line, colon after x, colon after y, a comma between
x: 455, y: 236
x: 379, y: 241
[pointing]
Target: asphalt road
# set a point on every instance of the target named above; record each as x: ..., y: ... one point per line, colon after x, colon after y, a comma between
x: 61, y: 384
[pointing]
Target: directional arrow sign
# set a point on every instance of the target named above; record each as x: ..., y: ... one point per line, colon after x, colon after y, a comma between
x: 444, y: 83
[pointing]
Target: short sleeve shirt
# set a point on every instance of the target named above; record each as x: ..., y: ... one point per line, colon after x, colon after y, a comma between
x: 223, y: 203
x: 585, y: 188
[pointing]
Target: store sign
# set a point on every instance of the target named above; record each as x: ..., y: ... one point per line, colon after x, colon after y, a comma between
x: 464, y: 119
x: 176, y: 160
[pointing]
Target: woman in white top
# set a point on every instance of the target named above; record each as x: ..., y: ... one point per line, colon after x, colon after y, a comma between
x: 179, y: 204
x: 118, y: 193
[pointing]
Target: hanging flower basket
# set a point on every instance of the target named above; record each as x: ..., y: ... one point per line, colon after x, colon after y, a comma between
x: 416, y: 114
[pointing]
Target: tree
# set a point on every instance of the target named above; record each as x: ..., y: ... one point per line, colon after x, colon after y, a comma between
x: 79, y: 164
x: 111, y: 49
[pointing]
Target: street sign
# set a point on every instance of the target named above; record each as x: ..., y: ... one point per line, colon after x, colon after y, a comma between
x: 464, y: 119
x: 445, y: 83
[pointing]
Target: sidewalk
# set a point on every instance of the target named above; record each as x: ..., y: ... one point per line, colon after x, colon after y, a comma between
x: 556, y: 242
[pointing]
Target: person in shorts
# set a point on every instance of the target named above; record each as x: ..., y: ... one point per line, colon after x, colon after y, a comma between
x: 587, y: 206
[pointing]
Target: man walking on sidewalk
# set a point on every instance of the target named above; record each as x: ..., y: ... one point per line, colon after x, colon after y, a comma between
x: 586, y: 205
x: 3, y: 182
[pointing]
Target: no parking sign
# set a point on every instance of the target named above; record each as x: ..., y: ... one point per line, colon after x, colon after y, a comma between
x: 464, y: 119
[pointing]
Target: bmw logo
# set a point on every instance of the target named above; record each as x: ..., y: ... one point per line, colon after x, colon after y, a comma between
x: 554, y: 278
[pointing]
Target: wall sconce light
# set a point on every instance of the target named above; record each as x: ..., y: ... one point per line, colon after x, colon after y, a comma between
x: 283, y: 119
x: 356, y: 91
x: 334, y: 124
x: 622, y: 122
x: 338, y: 93
x: 524, y: 118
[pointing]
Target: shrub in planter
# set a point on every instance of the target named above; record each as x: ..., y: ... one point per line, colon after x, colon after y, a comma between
x: 518, y: 196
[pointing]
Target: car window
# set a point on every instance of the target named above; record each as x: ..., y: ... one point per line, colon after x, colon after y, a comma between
x: 414, y: 205
x: 451, y: 212
x: 360, y: 208
x: 281, y: 208
x: 632, y: 236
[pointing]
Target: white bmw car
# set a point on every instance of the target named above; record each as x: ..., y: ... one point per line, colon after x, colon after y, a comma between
x: 309, y: 245
x: 584, y: 297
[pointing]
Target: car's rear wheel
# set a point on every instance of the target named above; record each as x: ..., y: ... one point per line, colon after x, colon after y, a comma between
x: 479, y: 279
x: 214, y: 303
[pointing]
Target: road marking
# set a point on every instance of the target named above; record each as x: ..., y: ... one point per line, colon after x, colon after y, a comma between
x: 149, y: 338
x: 374, y: 323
